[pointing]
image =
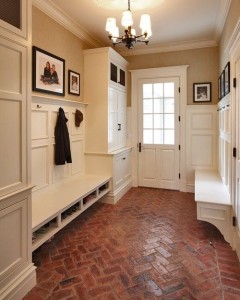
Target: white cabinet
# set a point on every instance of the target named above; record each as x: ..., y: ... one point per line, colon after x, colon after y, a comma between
x: 117, y: 165
x: 17, y: 273
x: 117, y: 119
x: 121, y: 170
x: 105, y: 93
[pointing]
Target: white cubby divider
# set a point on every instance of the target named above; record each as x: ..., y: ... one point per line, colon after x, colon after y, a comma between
x: 52, y: 211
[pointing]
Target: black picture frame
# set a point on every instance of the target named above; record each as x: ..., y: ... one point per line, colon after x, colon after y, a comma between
x: 222, y: 77
x: 48, y: 72
x: 202, y: 92
x: 227, y: 79
x: 219, y: 88
x: 73, y: 83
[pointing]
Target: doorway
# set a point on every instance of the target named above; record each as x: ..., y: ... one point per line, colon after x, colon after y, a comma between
x: 158, y: 123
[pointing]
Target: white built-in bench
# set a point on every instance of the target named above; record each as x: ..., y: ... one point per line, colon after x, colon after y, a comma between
x: 213, y: 201
x: 54, y: 209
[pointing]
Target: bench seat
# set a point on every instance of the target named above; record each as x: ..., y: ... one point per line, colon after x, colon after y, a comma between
x: 213, y: 201
x: 54, y: 209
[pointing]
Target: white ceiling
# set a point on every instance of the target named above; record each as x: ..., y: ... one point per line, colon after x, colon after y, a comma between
x: 176, y: 24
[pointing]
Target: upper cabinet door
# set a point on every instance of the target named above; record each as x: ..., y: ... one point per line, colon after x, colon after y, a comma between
x: 13, y: 18
x: 117, y: 75
x: 122, y: 75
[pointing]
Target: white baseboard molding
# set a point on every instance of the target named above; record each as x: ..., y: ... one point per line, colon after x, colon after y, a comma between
x: 21, y: 285
x: 190, y: 188
x: 114, y: 197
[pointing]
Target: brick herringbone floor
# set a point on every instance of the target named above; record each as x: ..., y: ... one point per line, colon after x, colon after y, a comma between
x: 148, y: 246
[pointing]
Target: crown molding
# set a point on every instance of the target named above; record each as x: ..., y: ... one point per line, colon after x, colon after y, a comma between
x: 170, y: 47
x: 221, y: 17
x: 54, y: 12
x: 234, y: 38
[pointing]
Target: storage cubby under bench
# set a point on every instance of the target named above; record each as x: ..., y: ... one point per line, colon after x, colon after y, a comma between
x: 54, y: 209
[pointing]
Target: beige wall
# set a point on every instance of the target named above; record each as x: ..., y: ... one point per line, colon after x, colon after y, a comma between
x: 52, y: 37
x: 203, y: 66
x: 233, y: 17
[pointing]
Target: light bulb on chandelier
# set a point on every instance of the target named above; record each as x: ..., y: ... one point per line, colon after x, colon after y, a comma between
x: 130, y: 37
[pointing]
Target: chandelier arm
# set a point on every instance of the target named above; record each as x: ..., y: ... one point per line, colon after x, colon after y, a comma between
x: 140, y: 41
x: 141, y: 35
x: 115, y: 43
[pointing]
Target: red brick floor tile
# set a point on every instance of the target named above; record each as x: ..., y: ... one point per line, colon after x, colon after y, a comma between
x: 148, y: 246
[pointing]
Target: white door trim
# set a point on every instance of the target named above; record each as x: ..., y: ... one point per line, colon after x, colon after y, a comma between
x: 176, y: 71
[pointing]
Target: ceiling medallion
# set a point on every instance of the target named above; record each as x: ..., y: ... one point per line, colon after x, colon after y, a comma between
x: 121, y: 4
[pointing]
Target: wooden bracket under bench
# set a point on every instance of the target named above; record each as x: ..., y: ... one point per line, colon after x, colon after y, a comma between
x: 213, y: 201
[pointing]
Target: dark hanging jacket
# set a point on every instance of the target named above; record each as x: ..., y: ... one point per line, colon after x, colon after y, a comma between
x: 62, y: 142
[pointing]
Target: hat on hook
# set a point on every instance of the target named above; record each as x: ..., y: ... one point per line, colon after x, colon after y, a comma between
x: 78, y: 118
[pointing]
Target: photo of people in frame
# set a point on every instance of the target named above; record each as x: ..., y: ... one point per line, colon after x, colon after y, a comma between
x: 50, y: 75
x: 73, y: 83
x: 48, y: 72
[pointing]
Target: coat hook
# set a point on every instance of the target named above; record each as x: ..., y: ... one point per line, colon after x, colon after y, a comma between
x: 39, y: 106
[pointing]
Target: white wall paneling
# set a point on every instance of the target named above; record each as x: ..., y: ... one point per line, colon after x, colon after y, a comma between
x: 45, y: 173
x: 224, y: 135
x: 17, y: 273
x: 40, y: 166
x: 13, y: 116
x: 201, y: 140
x: 232, y: 99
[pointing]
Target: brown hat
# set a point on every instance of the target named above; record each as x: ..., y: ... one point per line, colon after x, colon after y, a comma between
x: 78, y: 117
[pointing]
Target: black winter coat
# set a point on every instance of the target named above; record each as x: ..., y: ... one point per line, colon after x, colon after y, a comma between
x: 62, y: 142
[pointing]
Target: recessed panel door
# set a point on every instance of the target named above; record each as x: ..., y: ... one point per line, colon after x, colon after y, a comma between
x: 158, y: 105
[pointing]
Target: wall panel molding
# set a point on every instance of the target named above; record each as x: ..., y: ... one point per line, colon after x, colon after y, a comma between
x: 44, y: 115
x: 201, y: 139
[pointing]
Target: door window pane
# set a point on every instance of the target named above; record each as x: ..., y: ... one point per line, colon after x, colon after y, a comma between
x: 147, y: 91
x: 169, y: 89
x: 147, y: 106
x: 169, y: 106
x: 158, y: 137
x: 169, y: 121
x: 169, y: 137
x: 148, y: 121
x: 158, y: 113
x: 147, y: 136
x: 158, y: 121
x: 158, y: 90
x: 158, y: 105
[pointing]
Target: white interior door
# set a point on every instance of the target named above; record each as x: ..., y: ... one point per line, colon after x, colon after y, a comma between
x: 158, y: 107
x: 237, y: 198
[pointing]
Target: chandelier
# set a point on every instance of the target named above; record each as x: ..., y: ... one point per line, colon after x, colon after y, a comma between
x: 130, y: 37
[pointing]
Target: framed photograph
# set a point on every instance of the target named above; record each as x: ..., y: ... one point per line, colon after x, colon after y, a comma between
x: 222, y: 76
x: 202, y: 92
x: 48, y: 72
x: 219, y: 88
x: 227, y: 78
x: 73, y: 83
